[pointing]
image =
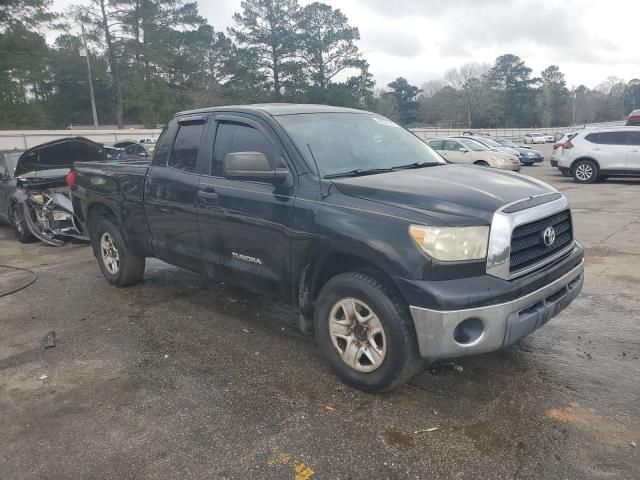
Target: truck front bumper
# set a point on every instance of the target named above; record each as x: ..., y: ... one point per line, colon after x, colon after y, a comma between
x: 457, y: 333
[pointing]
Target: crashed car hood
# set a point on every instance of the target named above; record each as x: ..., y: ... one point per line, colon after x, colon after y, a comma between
x: 455, y: 193
x: 58, y: 155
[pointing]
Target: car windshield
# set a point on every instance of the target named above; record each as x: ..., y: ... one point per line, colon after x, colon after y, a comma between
x: 473, y: 145
x: 507, y: 143
x: 12, y: 160
x: 491, y: 143
x: 354, y: 143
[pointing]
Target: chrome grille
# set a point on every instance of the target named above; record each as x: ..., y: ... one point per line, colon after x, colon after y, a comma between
x: 527, y: 243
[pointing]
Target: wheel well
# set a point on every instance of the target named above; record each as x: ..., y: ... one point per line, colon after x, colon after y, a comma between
x: 97, y: 212
x: 322, y: 270
x: 584, y: 158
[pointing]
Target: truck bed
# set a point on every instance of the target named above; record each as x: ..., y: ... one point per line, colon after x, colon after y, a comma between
x: 119, y: 186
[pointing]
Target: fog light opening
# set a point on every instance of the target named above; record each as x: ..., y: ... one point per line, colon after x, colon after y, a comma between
x: 468, y: 331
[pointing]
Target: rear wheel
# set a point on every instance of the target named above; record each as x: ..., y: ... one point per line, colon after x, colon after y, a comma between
x: 566, y: 172
x: 585, y: 171
x: 119, y: 266
x: 366, y: 333
x: 19, y: 224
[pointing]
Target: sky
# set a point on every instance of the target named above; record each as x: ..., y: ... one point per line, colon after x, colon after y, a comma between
x: 589, y: 40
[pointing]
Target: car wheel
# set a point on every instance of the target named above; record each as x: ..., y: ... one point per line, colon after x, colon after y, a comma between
x: 119, y: 266
x: 566, y: 172
x: 19, y: 224
x: 585, y: 171
x: 481, y: 163
x: 366, y: 333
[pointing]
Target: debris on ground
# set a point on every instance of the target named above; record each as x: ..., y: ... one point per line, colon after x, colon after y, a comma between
x: 246, y: 330
x: 42, y: 377
x: 330, y: 408
x: 166, y: 355
x: 633, y: 444
x: 49, y: 340
x: 433, y: 429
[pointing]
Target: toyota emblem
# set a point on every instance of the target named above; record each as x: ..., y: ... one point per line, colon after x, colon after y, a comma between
x: 549, y: 236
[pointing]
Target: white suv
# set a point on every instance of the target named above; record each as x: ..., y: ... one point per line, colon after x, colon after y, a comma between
x: 592, y: 155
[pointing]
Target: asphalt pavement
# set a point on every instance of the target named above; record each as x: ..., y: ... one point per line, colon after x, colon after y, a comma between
x: 179, y: 378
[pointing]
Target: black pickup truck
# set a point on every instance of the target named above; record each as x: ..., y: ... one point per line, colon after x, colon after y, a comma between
x: 391, y: 255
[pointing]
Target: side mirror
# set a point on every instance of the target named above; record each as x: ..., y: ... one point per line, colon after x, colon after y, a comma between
x: 463, y: 150
x: 252, y: 166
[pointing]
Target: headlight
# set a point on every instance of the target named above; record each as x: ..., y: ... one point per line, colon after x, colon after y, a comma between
x: 499, y: 160
x: 452, y: 244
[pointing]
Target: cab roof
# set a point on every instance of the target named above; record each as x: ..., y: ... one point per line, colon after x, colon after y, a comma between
x: 274, y: 109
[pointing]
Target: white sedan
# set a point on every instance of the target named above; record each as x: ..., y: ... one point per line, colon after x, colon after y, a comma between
x: 535, y: 138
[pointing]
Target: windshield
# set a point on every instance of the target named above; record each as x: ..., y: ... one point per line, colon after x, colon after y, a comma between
x: 350, y: 143
x: 473, y: 145
x: 507, y: 143
x: 11, y: 160
x: 491, y: 143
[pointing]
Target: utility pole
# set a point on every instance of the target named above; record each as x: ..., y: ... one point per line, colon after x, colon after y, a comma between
x: 84, y: 52
x: 575, y: 95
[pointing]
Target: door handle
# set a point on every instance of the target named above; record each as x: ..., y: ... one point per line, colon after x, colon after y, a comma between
x: 208, y: 194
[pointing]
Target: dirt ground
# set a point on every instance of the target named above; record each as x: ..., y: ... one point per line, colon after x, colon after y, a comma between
x: 177, y: 378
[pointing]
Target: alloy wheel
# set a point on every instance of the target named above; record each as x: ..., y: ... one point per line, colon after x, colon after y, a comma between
x: 584, y: 172
x: 109, y: 252
x: 357, y: 335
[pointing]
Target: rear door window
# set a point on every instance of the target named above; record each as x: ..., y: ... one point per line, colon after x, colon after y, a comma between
x: 608, y: 138
x: 184, y: 154
x: 634, y: 139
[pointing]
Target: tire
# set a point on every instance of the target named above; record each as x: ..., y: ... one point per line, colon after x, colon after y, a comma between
x: 19, y: 224
x: 481, y: 163
x: 397, y: 358
x: 585, y: 171
x: 566, y: 172
x: 119, y: 266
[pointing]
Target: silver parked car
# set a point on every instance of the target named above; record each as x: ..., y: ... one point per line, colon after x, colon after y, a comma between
x: 592, y: 155
x: 467, y: 150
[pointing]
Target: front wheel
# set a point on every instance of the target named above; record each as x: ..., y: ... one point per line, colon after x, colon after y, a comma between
x: 19, y: 224
x: 366, y: 333
x: 119, y: 266
x: 481, y: 163
x: 585, y: 171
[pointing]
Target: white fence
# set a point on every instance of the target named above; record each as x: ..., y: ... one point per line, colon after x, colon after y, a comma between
x: 427, y: 133
x: 22, y: 139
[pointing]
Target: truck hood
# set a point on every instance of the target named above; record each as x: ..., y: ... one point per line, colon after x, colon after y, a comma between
x: 454, y: 194
x: 58, y: 155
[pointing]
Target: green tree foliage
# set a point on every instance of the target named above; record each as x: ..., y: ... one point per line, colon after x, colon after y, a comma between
x: 404, y: 95
x: 268, y: 29
x: 327, y: 43
x: 554, y: 97
x: 150, y: 58
x: 511, y: 80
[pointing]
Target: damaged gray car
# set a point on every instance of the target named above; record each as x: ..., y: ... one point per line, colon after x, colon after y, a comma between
x: 34, y: 197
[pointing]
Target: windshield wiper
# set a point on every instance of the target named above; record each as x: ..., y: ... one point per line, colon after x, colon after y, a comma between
x: 417, y: 165
x: 359, y: 172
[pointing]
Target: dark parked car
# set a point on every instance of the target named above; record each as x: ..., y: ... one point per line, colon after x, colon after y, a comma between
x: 391, y: 254
x: 34, y: 197
x: 528, y: 156
x: 137, y: 151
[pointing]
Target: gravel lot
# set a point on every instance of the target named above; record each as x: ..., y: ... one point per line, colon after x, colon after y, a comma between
x: 177, y: 378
